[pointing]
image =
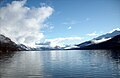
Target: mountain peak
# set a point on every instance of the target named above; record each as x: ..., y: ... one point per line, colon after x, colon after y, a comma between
x: 115, y: 30
x: 111, y: 34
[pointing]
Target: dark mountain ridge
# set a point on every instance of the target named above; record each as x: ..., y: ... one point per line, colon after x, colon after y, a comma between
x: 113, y: 43
x: 6, y: 44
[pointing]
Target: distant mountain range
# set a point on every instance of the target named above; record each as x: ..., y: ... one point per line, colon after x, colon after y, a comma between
x: 6, y: 44
x: 106, y: 41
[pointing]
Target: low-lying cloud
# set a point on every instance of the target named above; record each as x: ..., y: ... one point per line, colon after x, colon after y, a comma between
x: 60, y: 41
x: 23, y: 24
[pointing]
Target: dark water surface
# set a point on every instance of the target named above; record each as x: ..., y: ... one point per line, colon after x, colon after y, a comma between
x: 60, y: 64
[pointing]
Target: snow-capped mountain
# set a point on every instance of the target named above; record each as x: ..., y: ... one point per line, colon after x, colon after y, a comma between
x: 111, y: 43
x: 99, y: 40
x: 108, y: 35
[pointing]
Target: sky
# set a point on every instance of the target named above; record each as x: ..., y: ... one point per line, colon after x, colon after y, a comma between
x: 58, y: 21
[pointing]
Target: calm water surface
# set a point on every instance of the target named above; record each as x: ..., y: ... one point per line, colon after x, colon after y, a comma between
x: 60, y: 64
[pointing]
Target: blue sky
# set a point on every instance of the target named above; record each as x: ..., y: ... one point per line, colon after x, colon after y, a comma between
x: 78, y: 18
x: 88, y: 16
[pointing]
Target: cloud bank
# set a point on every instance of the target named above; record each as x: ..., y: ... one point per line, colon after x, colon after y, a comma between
x: 60, y: 41
x: 23, y: 24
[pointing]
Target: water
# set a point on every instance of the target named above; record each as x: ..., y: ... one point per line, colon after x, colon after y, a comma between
x: 60, y: 64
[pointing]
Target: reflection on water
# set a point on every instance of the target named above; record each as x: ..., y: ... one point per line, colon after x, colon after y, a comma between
x: 60, y: 64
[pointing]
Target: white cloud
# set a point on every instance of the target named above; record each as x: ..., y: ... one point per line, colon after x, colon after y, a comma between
x: 69, y: 27
x: 92, y: 34
x: 61, y: 41
x: 23, y: 24
x: 118, y: 29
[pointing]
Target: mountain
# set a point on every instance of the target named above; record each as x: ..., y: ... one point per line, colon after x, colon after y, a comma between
x: 109, y: 35
x: 6, y: 44
x: 106, y: 41
x: 113, y: 43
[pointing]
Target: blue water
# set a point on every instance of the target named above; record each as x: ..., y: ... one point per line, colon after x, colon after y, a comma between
x: 60, y: 64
